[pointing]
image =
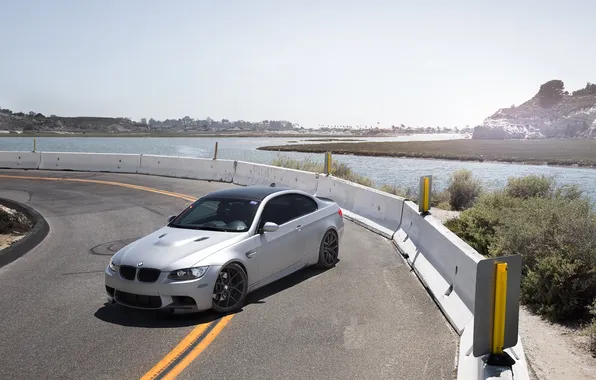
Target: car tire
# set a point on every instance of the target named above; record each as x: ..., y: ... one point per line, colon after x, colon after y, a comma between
x: 230, y: 289
x: 328, y: 250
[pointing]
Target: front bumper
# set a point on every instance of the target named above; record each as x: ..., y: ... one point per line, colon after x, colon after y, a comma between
x: 162, y: 294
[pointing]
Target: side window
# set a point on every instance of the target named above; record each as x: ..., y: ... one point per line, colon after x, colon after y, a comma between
x: 303, y: 205
x: 285, y: 208
x: 278, y: 210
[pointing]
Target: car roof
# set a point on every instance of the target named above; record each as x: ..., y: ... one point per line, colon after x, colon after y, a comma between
x: 253, y: 193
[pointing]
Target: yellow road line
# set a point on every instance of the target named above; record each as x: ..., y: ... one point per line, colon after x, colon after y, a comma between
x: 176, y: 352
x: 198, y: 349
x: 192, y: 337
x: 127, y: 185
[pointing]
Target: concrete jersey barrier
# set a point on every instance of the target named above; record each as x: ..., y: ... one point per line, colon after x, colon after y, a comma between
x: 19, y: 160
x: 447, y: 267
x: 91, y: 162
x: 187, y: 167
x: 249, y: 174
x: 381, y: 208
x: 444, y: 262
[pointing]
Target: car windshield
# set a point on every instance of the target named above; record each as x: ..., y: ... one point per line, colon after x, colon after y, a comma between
x: 217, y: 214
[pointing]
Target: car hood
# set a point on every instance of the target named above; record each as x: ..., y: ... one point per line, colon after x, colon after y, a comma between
x: 173, y: 248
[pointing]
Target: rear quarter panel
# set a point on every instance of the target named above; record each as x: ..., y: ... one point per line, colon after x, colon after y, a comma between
x: 325, y: 218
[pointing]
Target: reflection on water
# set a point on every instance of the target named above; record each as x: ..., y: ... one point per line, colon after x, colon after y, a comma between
x: 383, y: 170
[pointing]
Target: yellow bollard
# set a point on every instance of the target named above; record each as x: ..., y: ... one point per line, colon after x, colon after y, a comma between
x: 499, y: 309
x: 328, y: 163
x: 424, y: 194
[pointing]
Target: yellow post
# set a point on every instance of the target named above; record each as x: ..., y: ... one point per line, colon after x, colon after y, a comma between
x: 215, y: 153
x: 328, y: 163
x: 499, y: 308
x: 426, y: 194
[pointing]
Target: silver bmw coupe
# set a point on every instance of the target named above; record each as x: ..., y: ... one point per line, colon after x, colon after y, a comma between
x: 224, y: 246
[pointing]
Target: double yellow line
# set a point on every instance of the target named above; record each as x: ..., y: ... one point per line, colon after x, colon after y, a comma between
x: 187, y: 350
x: 200, y: 337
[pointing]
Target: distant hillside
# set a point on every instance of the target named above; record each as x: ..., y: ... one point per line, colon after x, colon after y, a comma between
x: 33, y: 122
x: 551, y: 113
x: 36, y: 122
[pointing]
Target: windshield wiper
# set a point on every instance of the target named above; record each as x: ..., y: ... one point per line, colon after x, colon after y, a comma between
x: 208, y: 228
x: 204, y: 228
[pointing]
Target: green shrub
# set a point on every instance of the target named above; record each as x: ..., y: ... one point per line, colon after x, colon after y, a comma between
x: 441, y: 200
x: 478, y: 225
x: 409, y: 192
x: 290, y: 163
x: 554, y: 229
x: 463, y: 189
x: 341, y: 170
x: 568, y: 192
x: 438, y: 199
x: 530, y: 186
x: 556, y: 238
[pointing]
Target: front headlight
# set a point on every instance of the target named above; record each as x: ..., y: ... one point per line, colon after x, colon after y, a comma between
x: 112, y: 265
x: 188, y: 273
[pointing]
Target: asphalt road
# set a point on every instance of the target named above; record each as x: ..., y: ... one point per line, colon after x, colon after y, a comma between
x: 368, y: 317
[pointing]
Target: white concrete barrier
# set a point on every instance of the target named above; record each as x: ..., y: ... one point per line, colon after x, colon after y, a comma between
x: 444, y: 262
x: 249, y: 174
x: 92, y: 162
x: 472, y: 368
x: 447, y: 267
x: 383, y: 209
x: 187, y: 167
x: 19, y: 160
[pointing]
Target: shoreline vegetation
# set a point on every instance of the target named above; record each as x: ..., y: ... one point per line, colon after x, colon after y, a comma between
x: 553, y: 227
x: 323, y: 136
x: 575, y: 153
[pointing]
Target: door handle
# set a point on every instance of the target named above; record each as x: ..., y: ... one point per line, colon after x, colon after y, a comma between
x: 250, y: 254
x: 299, y: 226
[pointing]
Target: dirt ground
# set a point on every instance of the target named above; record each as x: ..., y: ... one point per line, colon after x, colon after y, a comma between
x: 555, y: 352
x: 7, y: 240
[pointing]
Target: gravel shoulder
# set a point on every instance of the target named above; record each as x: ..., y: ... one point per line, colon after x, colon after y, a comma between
x: 555, y: 352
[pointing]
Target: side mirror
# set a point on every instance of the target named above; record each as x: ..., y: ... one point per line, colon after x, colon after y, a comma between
x: 270, y: 227
x: 171, y: 218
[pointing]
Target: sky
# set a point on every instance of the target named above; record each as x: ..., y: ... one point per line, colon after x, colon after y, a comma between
x: 330, y: 62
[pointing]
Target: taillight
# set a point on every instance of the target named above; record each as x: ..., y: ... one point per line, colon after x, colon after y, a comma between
x: 340, y: 213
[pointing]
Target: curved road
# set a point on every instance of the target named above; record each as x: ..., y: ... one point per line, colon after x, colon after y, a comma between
x: 369, y: 317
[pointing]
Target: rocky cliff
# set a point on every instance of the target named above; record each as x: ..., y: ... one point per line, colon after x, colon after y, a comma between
x: 551, y: 113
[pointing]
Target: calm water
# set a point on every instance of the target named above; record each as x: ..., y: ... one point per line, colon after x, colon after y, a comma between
x: 383, y: 170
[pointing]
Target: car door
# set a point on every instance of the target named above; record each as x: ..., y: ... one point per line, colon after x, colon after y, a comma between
x: 283, y: 248
x: 305, y: 214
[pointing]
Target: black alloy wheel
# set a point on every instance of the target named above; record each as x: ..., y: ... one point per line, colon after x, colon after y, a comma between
x: 329, y: 250
x: 230, y: 289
